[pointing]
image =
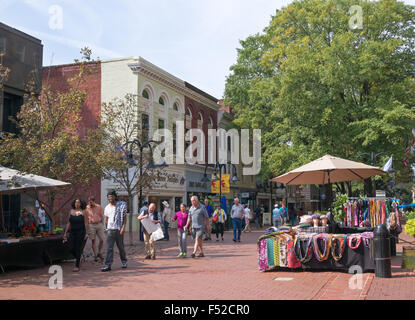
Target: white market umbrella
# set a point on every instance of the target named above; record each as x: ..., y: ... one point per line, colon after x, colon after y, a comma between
x: 13, y: 181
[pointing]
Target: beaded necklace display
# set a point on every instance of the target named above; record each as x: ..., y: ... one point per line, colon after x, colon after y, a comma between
x: 366, y: 236
x: 341, y: 240
x: 327, y: 244
x: 350, y: 240
x: 298, y: 252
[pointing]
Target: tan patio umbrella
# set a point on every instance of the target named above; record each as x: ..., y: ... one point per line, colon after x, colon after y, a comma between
x: 13, y: 181
x: 328, y: 169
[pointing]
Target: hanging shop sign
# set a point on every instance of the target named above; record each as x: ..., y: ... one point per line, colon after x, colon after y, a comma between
x: 226, y: 188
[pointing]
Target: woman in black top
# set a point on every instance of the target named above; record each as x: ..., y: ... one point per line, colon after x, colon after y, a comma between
x: 78, y: 224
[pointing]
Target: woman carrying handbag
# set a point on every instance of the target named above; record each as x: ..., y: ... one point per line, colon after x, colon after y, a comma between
x: 218, y: 222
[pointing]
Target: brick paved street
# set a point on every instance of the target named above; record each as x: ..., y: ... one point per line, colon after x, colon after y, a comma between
x: 229, y: 271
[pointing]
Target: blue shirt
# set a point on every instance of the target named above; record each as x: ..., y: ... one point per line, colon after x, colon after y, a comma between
x: 283, y: 212
x: 276, y: 213
x: 209, y: 210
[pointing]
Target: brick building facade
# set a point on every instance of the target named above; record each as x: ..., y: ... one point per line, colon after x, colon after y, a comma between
x: 56, y: 78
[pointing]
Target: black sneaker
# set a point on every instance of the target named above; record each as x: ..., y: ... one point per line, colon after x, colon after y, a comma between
x: 124, y: 265
x: 234, y: 240
x: 106, y: 268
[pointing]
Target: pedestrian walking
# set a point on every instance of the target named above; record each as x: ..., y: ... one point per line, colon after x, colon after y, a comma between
x: 95, y: 215
x: 154, y: 217
x: 292, y: 215
x: 115, y: 220
x: 198, y: 220
x: 165, y: 218
x: 77, y: 226
x: 218, y: 221
x: 181, y: 217
x: 248, y: 218
x: 237, y: 215
x: 258, y: 217
x: 284, y: 213
x: 276, y: 216
x: 208, y: 231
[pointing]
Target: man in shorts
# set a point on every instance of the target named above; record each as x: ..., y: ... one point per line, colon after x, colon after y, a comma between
x: 199, y: 220
x: 96, y: 226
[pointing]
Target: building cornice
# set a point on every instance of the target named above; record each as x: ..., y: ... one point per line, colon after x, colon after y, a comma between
x: 155, y: 73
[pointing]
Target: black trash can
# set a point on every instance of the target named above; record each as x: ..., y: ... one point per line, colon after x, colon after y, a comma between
x: 382, y: 252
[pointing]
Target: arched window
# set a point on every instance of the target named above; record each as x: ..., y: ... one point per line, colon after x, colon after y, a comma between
x: 176, y: 107
x: 210, y: 123
x: 229, y: 144
x: 199, y: 121
x: 145, y: 94
x: 161, y: 101
x: 188, y: 119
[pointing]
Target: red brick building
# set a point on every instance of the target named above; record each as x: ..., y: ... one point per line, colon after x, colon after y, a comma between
x: 56, y: 77
x: 203, y: 117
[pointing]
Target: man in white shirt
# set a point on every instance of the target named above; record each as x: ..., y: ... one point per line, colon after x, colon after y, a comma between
x: 115, y: 220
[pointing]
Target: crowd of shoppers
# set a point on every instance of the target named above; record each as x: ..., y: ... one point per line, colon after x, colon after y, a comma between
x: 90, y: 220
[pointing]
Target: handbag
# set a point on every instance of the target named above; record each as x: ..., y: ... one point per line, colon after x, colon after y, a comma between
x: 215, y: 219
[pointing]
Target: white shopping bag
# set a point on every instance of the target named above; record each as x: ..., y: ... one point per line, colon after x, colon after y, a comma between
x: 158, y: 234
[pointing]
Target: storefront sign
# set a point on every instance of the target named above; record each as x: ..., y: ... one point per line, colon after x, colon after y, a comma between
x: 245, y: 195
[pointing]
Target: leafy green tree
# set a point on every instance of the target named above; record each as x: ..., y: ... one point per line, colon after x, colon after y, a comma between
x: 49, y: 142
x: 314, y: 85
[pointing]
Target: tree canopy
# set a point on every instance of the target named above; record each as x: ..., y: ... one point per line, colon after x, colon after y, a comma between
x: 49, y: 142
x: 316, y: 85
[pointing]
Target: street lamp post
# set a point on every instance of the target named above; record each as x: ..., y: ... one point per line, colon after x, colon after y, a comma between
x: 373, y: 157
x: 219, y: 166
x: 141, y: 146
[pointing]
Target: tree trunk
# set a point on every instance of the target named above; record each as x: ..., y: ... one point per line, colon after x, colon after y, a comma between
x: 368, y: 187
x: 130, y: 214
x: 349, y: 189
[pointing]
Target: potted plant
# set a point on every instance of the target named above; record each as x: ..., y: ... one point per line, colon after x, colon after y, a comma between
x: 338, y: 207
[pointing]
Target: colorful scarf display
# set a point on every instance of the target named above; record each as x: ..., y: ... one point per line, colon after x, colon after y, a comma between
x: 359, y: 211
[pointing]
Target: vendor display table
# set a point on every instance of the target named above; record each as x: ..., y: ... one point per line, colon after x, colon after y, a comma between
x: 361, y: 257
x: 33, y: 252
x: 281, y: 250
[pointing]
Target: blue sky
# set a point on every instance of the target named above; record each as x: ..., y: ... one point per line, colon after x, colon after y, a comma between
x: 194, y: 40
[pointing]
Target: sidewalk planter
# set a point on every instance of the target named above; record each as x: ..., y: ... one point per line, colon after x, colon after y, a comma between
x: 408, y: 257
